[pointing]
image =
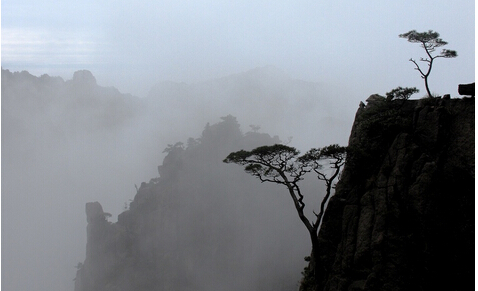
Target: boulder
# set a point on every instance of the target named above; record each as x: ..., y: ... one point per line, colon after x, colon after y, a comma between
x: 467, y: 89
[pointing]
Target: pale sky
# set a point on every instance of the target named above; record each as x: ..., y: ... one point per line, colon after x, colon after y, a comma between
x: 132, y: 45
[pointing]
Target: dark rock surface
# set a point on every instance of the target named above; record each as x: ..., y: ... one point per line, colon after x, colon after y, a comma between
x: 467, y: 89
x: 402, y: 217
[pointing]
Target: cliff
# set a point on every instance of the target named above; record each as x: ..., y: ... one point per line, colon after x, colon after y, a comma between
x: 200, y: 225
x: 402, y: 217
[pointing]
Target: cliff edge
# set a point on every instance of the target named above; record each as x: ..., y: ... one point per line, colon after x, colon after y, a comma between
x: 402, y: 217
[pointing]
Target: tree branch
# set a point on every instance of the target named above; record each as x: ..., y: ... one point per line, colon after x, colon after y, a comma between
x: 417, y: 67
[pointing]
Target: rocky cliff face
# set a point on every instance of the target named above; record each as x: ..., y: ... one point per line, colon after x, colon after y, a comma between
x: 402, y: 217
x: 201, y: 225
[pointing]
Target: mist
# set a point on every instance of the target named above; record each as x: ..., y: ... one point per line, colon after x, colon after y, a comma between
x: 69, y: 142
x: 93, y: 93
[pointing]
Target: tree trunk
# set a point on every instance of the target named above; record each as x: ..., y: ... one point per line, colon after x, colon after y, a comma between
x: 426, y: 86
x: 315, y: 261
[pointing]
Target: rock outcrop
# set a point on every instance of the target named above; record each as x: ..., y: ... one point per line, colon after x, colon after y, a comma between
x: 467, y: 89
x: 106, y: 250
x: 402, y: 217
x: 201, y: 225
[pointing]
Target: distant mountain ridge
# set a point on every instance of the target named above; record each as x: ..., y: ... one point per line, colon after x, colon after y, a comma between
x: 66, y: 142
x: 262, y: 96
x: 71, y: 106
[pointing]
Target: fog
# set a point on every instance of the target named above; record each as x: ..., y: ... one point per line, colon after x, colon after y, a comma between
x: 68, y: 142
x: 297, y: 71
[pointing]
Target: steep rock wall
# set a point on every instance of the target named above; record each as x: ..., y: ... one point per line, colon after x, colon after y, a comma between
x: 402, y: 217
x: 201, y: 225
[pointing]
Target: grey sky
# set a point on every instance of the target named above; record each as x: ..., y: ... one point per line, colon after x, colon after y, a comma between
x: 131, y: 45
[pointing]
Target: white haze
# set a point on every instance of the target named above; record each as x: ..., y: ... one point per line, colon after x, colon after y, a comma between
x: 64, y: 144
x: 336, y: 54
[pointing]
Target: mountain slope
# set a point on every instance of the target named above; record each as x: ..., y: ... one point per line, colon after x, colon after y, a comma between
x: 402, y: 217
x: 201, y: 225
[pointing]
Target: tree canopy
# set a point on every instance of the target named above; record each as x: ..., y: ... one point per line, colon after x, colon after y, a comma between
x: 401, y: 93
x: 268, y: 163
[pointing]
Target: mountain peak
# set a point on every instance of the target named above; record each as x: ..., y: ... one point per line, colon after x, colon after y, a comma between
x: 84, y: 76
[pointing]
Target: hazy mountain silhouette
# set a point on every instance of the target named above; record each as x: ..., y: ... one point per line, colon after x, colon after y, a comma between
x: 67, y: 142
x: 262, y: 96
x: 200, y: 225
